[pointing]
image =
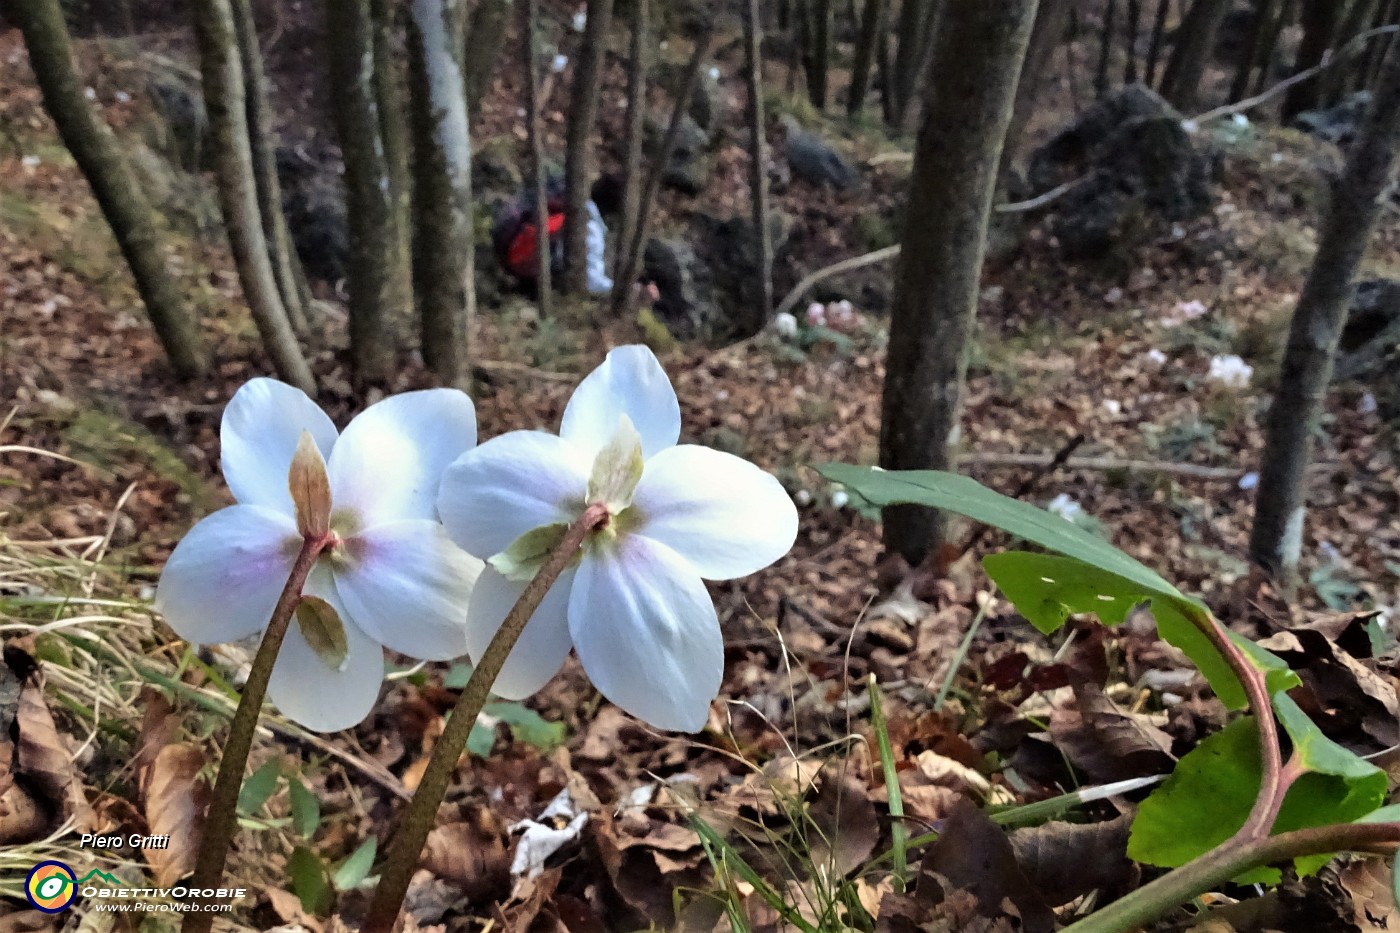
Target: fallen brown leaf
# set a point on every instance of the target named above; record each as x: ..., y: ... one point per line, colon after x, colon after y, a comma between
x: 175, y: 798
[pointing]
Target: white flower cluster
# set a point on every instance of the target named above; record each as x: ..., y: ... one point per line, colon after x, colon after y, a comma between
x: 1230, y: 371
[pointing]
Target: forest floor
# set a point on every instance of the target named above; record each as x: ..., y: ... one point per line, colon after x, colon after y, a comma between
x: 107, y: 461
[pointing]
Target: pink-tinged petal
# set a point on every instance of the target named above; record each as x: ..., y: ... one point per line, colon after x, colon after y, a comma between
x: 224, y: 577
x: 387, y: 465
x: 258, y: 436
x: 646, y: 631
x: 509, y: 485
x: 629, y: 382
x: 309, y: 691
x: 724, y: 515
x: 543, y: 645
x: 406, y: 585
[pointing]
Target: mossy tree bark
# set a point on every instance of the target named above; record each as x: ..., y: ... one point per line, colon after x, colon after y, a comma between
x: 758, y: 166
x: 976, y: 65
x: 1320, y: 21
x: 394, y: 131
x: 443, y: 246
x: 1357, y: 200
x: 872, y: 32
x: 578, y: 158
x: 486, y: 36
x: 221, y: 68
x: 94, y: 147
x: 262, y: 138
x: 819, y: 53
x: 368, y: 187
x: 907, y: 56
x: 1051, y: 18
x: 1181, y: 83
x: 638, y: 62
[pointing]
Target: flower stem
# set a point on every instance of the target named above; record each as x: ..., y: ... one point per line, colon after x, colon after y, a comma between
x: 1230, y: 860
x: 222, y: 818
x: 421, y: 814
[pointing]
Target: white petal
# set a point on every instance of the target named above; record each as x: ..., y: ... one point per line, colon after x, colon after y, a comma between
x: 308, y: 691
x: 224, y: 578
x: 646, y: 631
x: 509, y: 485
x: 724, y: 515
x: 629, y: 382
x: 261, y: 427
x: 406, y: 585
x: 543, y: 645
x: 389, y: 462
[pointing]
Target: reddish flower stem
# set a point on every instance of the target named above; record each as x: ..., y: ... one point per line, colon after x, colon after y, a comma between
x: 221, y: 820
x: 418, y: 820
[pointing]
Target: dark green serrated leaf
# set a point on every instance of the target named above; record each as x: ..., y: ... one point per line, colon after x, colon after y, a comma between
x: 306, y: 809
x: 259, y: 787
x: 356, y: 868
x: 309, y: 881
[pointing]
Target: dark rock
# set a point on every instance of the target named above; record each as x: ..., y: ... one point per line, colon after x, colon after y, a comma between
x: 687, y: 304
x: 709, y: 102
x: 183, y: 134
x: 692, y: 162
x: 1337, y: 124
x: 1130, y: 161
x: 814, y: 160
x: 1371, y: 338
x: 494, y: 173
x: 313, y: 197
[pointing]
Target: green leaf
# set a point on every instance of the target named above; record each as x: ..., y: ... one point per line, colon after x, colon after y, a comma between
x: 457, y: 676
x: 527, y: 725
x: 306, y: 809
x: 522, y: 560
x: 309, y: 883
x: 258, y: 787
x: 481, y: 740
x: 356, y: 868
x: 1209, y: 795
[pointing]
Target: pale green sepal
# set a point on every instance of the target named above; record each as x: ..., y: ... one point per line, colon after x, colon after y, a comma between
x: 617, y: 468
x: 323, y: 631
x: 523, y: 559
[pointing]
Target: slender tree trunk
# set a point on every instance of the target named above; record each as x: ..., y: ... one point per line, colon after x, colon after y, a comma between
x: 1320, y: 20
x: 1388, y: 13
x: 1181, y: 85
x: 578, y: 160
x: 758, y: 167
x: 1101, y: 78
x: 1249, y: 55
x: 1130, y: 38
x: 1154, y: 44
x: 262, y: 137
x: 222, y: 72
x: 820, y: 62
x: 1336, y: 79
x: 872, y: 30
x: 443, y: 246
x: 1276, y: 539
x: 486, y: 36
x: 394, y: 131
x: 1051, y: 18
x: 1286, y: 13
x: 368, y: 187
x: 884, y: 70
x: 637, y: 67
x: 906, y: 56
x: 535, y: 130
x: 975, y: 70
x: 95, y: 149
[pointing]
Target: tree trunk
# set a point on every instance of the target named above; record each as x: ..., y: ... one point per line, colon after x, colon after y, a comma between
x: 1130, y: 39
x: 1269, y: 44
x: 393, y: 130
x: 1154, y: 44
x: 1276, y: 539
x: 819, y: 63
x: 1249, y: 55
x: 443, y: 245
x: 1101, y: 78
x: 1051, y: 18
x: 222, y: 72
x: 535, y: 130
x: 906, y: 56
x: 1336, y: 79
x: 368, y: 187
x: 578, y: 159
x: 758, y: 167
x: 976, y: 65
x: 872, y: 29
x: 262, y: 138
x: 95, y: 149
x: 486, y: 36
x: 1181, y: 84
x: 1320, y: 20
x: 1388, y: 13
x: 637, y: 65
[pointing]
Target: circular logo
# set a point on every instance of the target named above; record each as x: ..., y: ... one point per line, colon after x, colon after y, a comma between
x: 51, y: 887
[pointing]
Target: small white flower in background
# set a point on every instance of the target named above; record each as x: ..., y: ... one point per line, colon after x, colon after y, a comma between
x: 1113, y: 295
x: 1065, y: 507
x: 1249, y: 481
x: 1367, y: 405
x: 785, y: 324
x: 713, y: 73
x: 842, y: 315
x: 1178, y: 232
x: 1113, y: 406
x: 634, y: 605
x: 1156, y: 356
x: 1230, y: 371
x: 840, y: 499
x: 122, y: 97
x: 1191, y: 127
x: 391, y: 574
x: 580, y: 18
x: 1276, y: 158
x: 1184, y: 311
x: 560, y: 62
x: 816, y: 314
x: 1240, y: 120
x: 803, y: 497
x: 722, y: 395
x: 29, y: 161
x: 90, y: 94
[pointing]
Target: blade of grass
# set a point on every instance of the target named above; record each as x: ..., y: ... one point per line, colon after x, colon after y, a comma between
x: 899, y: 833
x: 723, y: 855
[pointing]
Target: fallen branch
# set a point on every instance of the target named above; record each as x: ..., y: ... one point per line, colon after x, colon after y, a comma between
x: 1168, y: 467
x: 845, y: 265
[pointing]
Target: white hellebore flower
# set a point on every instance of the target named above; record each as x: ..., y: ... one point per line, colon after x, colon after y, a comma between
x: 634, y: 605
x: 390, y: 572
